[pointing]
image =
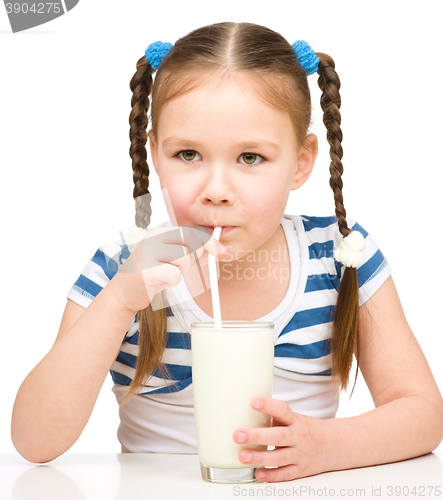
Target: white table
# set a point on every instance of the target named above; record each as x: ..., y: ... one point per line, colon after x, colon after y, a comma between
x: 158, y: 476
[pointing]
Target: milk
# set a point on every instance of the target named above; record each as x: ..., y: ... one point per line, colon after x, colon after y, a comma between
x: 230, y: 366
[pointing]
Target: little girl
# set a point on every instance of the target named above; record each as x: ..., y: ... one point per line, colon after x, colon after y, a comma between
x: 230, y: 111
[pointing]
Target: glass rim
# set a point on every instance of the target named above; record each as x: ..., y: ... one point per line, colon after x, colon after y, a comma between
x: 234, y: 324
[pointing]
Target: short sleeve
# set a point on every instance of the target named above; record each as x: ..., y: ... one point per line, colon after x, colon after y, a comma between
x: 375, y: 269
x: 97, y: 273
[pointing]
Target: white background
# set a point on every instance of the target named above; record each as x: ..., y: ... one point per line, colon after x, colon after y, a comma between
x: 66, y: 177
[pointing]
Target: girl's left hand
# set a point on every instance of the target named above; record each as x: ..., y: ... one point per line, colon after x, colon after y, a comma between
x: 298, y: 440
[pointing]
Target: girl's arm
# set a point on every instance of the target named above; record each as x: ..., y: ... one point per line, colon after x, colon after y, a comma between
x: 407, y: 421
x: 55, y: 401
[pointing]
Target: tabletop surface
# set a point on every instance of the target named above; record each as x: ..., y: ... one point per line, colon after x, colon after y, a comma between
x: 137, y: 476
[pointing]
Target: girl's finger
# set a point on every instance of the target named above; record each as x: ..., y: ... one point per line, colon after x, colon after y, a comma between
x: 269, y: 436
x: 196, y: 238
x: 172, y: 245
x: 214, y: 247
x: 285, y: 473
x: 279, y: 410
x: 271, y: 458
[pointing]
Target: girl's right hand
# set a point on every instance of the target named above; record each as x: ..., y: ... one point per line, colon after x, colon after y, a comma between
x: 159, y: 261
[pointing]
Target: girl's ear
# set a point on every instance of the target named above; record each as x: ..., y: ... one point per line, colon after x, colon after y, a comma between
x: 153, y: 147
x: 305, y: 162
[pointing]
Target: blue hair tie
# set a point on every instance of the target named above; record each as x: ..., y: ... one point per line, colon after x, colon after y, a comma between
x: 306, y: 57
x: 156, y: 52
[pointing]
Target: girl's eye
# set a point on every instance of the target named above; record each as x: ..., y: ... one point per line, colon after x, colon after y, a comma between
x: 250, y: 158
x: 189, y: 155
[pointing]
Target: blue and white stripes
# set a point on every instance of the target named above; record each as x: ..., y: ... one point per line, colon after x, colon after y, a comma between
x: 176, y: 361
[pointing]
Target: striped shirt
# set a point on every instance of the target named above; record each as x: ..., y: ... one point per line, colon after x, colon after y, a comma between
x: 161, y: 417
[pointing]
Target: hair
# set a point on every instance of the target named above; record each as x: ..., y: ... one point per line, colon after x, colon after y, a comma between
x: 226, y: 50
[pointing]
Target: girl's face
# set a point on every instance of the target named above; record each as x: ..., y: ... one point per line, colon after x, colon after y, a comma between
x: 227, y: 158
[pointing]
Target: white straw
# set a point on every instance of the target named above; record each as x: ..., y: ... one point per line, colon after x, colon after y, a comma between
x: 214, y: 283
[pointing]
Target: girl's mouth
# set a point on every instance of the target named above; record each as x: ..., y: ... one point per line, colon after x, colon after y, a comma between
x: 225, y: 229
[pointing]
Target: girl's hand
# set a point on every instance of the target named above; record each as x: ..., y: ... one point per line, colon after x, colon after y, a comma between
x: 299, y: 446
x: 159, y: 261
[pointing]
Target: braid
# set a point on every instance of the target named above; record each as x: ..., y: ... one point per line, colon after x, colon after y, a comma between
x: 141, y: 85
x: 330, y: 102
x: 345, y: 323
x: 152, y: 324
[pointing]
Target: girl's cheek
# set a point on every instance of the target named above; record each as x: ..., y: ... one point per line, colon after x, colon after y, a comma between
x: 180, y: 192
x: 177, y: 202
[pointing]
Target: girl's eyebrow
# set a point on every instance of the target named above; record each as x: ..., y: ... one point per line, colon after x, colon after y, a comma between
x: 245, y: 145
x: 260, y: 144
x: 175, y: 141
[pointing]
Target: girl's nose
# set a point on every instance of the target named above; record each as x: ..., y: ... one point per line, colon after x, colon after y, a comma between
x: 218, y: 187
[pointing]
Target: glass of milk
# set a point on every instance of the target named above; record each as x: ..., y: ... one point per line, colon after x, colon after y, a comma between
x: 230, y: 366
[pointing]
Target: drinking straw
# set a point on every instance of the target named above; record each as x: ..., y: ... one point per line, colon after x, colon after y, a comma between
x: 214, y: 283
